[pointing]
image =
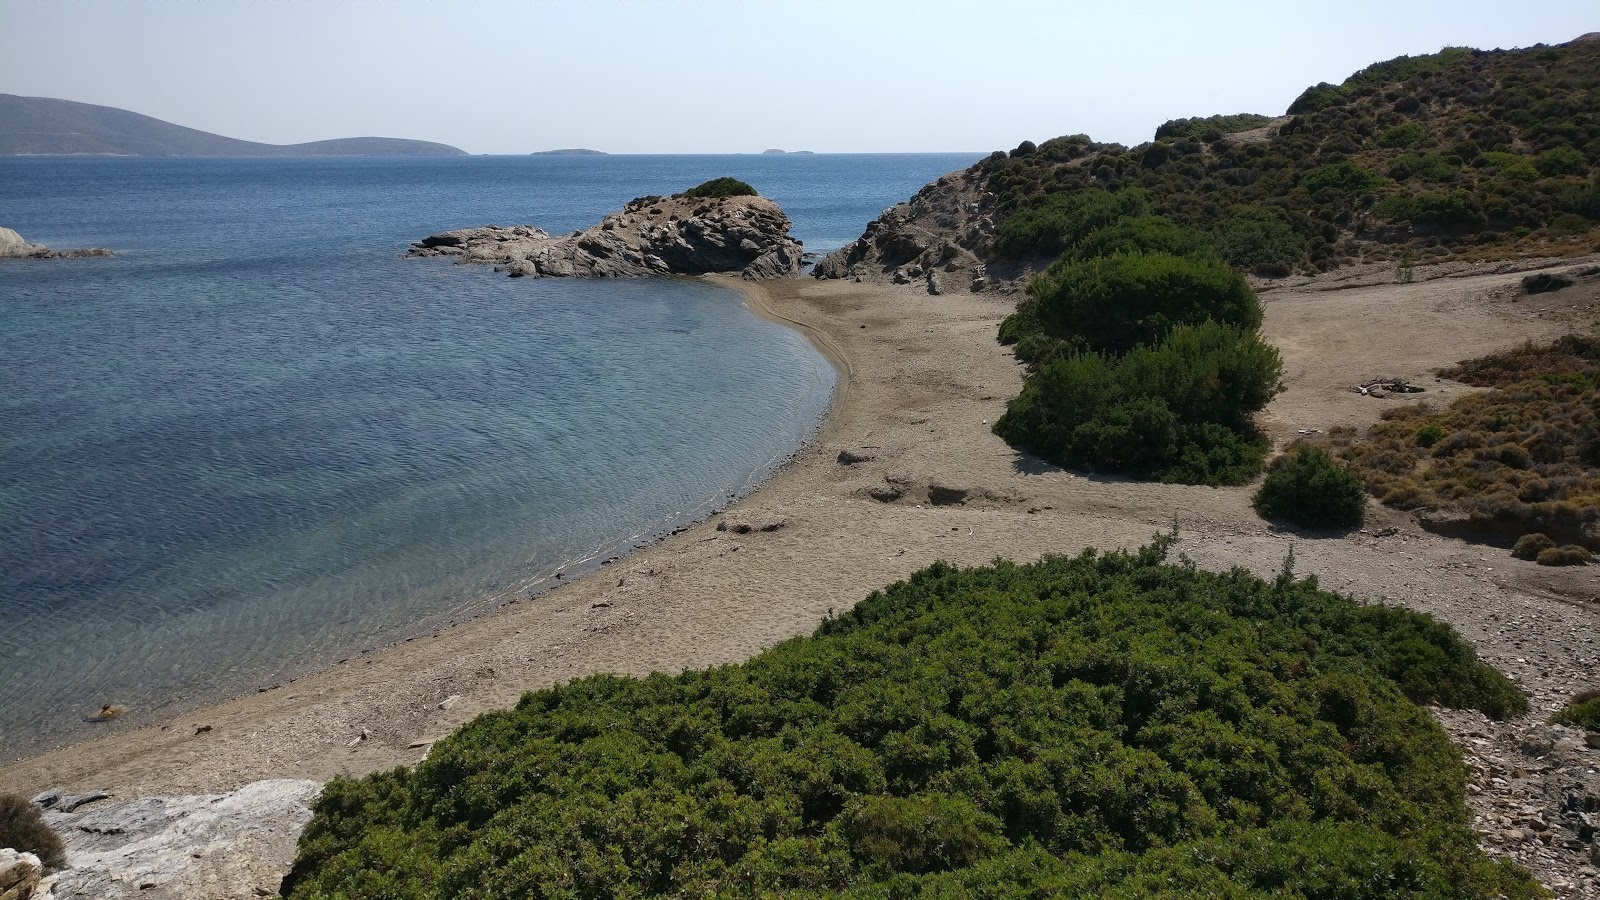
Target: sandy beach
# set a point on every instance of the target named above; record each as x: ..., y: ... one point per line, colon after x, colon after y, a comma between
x: 905, y: 471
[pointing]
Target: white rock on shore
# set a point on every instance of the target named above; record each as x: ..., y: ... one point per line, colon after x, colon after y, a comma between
x: 234, y: 845
x: 652, y: 236
x: 22, y: 877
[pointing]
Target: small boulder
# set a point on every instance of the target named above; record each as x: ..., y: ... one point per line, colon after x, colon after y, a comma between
x: 22, y: 876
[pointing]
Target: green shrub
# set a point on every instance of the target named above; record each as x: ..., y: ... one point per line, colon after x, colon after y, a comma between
x: 1344, y: 177
x: 1428, y: 435
x: 1405, y: 136
x: 1064, y: 220
x: 1529, y: 546
x: 719, y: 187
x: 1561, y: 160
x: 1259, y: 240
x: 1511, y: 166
x: 1194, y: 128
x: 1570, y: 555
x: 1568, y: 224
x: 1176, y: 411
x: 1582, y: 711
x: 1317, y: 98
x: 1455, y: 209
x: 1119, y: 302
x: 22, y: 827
x: 1103, y: 725
x: 1307, y: 487
x: 1424, y: 167
x: 1141, y: 234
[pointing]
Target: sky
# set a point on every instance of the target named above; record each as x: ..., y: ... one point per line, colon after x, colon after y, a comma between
x: 678, y: 76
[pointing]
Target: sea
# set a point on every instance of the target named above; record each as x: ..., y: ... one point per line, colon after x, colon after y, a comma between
x: 258, y: 440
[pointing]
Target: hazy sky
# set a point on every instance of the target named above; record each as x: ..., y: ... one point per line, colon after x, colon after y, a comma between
x: 675, y: 76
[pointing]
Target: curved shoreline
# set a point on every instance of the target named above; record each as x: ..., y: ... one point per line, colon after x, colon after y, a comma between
x: 134, y: 742
x: 923, y: 380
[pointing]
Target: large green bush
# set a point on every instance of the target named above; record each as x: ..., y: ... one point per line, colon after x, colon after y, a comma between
x: 1115, y: 303
x: 1177, y: 411
x: 1099, y: 726
x: 1308, y: 487
x: 22, y: 827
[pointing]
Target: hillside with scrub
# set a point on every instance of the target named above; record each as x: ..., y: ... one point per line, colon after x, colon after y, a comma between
x: 1462, y: 154
x: 1138, y: 323
x: 1111, y: 725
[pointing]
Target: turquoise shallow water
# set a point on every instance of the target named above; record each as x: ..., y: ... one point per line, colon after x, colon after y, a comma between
x: 258, y: 439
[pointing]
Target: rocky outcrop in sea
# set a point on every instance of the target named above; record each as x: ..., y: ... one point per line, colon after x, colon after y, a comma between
x: 650, y: 236
x: 12, y: 246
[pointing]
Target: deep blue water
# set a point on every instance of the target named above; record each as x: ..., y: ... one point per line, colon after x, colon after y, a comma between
x: 258, y: 438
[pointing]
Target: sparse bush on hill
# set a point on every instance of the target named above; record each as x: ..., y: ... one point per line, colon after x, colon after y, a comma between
x: 1307, y: 487
x: 1529, y: 546
x: 23, y: 828
x: 1570, y: 555
x: 719, y: 187
x: 1105, y: 725
x: 1521, y: 459
x: 1582, y: 711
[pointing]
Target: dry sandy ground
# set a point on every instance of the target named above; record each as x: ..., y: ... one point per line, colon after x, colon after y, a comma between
x: 922, y: 378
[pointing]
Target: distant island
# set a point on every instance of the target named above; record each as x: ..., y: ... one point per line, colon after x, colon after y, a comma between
x: 776, y: 152
x: 570, y: 151
x: 44, y: 126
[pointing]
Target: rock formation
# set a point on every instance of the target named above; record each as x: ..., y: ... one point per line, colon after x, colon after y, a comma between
x: 945, y: 227
x: 651, y: 236
x: 12, y: 246
x: 236, y: 845
x: 22, y: 877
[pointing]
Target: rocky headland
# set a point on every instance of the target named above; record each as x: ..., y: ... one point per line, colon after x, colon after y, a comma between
x: 13, y: 246
x: 650, y: 236
x: 940, y: 237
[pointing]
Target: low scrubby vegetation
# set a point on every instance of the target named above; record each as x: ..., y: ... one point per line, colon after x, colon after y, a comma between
x: 22, y: 827
x: 726, y: 186
x: 1212, y: 127
x: 1308, y: 487
x: 1144, y: 345
x: 1582, y: 711
x: 1464, y: 153
x: 1520, y: 459
x: 1099, y: 726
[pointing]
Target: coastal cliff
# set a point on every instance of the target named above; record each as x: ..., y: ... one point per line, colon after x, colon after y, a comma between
x: 681, y: 235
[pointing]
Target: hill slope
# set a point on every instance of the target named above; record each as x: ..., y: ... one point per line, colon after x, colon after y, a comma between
x: 46, y: 126
x: 1464, y: 153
